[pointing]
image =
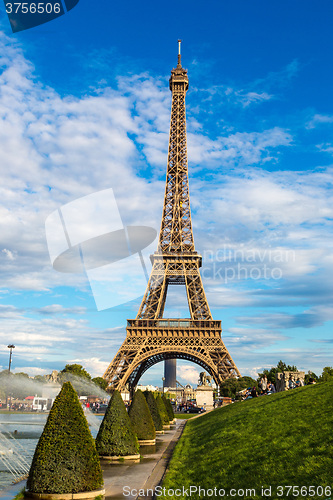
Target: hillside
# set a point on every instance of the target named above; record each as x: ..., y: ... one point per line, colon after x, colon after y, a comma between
x: 277, y: 440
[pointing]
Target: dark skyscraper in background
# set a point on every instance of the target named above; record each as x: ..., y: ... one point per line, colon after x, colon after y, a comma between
x: 170, y: 369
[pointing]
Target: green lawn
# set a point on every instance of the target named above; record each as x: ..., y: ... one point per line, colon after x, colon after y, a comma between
x: 185, y: 415
x: 285, y: 439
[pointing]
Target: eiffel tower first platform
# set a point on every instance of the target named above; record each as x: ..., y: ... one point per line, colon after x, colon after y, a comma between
x: 150, y: 338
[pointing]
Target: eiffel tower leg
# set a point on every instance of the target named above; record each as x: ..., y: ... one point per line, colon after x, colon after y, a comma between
x: 152, y: 304
x: 196, y: 296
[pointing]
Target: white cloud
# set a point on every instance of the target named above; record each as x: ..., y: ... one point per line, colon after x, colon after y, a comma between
x: 32, y: 371
x: 188, y: 373
x: 240, y: 148
x: 254, y: 98
x: 95, y: 366
x: 318, y: 119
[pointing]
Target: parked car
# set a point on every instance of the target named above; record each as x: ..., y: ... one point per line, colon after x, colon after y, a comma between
x: 195, y: 409
x: 101, y: 408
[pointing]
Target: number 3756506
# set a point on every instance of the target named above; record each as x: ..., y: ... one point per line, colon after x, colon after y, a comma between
x: 33, y: 8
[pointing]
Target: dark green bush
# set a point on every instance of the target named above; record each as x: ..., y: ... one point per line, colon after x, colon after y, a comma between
x: 168, y: 407
x: 141, y: 418
x: 116, y: 436
x: 65, y: 460
x: 151, y: 402
x: 162, y: 411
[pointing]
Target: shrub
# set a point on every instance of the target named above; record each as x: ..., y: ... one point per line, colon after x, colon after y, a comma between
x: 151, y: 402
x: 162, y: 411
x: 168, y: 407
x: 141, y: 418
x: 116, y: 436
x: 65, y: 460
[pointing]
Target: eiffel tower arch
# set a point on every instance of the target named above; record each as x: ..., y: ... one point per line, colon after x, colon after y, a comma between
x: 150, y: 337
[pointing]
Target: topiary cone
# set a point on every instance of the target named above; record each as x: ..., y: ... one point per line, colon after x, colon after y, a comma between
x: 141, y: 418
x: 65, y: 460
x: 116, y: 437
x: 151, y: 402
x: 162, y: 411
x: 168, y: 407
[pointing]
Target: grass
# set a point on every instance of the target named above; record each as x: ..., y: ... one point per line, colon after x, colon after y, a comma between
x: 278, y: 440
x: 20, y: 495
x: 185, y: 415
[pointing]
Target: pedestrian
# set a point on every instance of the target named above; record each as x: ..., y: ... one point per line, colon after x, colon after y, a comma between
x: 264, y: 385
x: 254, y: 392
x: 291, y: 384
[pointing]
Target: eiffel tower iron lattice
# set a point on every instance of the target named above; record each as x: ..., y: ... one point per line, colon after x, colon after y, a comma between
x: 150, y: 338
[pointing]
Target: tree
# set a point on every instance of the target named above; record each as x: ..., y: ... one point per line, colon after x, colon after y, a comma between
x: 141, y: 418
x: 162, y: 411
x: 116, y: 436
x: 309, y: 377
x: 230, y: 387
x: 100, y: 382
x: 280, y: 367
x: 76, y: 370
x: 168, y: 407
x: 151, y: 402
x: 65, y: 460
x: 327, y: 374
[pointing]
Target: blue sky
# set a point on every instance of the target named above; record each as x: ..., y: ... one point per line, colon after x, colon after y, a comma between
x: 85, y: 107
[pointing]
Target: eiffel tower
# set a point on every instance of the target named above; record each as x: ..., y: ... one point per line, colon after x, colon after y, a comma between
x: 150, y: 338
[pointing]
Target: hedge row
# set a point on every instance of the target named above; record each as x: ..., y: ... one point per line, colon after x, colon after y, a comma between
x: 66, y: 458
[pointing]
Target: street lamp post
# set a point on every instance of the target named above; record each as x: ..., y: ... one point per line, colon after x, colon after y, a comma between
x: 163, y: 380
x: 11, y: 347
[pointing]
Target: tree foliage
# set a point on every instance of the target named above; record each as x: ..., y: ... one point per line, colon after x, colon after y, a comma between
x: 162, y: 410
x: 100, y: 382
x: 141, y: 418
x: 168, y: 407
x: 327, y: 374
x: 65, y: 460
x: 116, y: 436
x: 231, y: 386
x: 151, y: 402
x: 310, y: 376
x: 76, y: 370
x: 280, y: 367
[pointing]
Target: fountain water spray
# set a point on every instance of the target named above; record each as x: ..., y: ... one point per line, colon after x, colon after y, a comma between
x: 14, y: 457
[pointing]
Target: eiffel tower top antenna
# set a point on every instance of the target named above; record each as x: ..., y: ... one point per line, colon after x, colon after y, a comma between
x: 179, y: 54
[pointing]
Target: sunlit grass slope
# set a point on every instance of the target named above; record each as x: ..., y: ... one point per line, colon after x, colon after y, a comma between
x: 281, y: 439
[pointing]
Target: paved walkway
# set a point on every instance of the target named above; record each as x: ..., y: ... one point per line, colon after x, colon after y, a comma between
x: 129, y: 478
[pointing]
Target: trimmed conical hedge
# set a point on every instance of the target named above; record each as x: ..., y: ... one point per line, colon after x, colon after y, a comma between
x: 162, y: 411
x: 151, y: 402
x: 168, y: 407
x: 116, y: 436
x: 65, y: 460
x: 141, y: 418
